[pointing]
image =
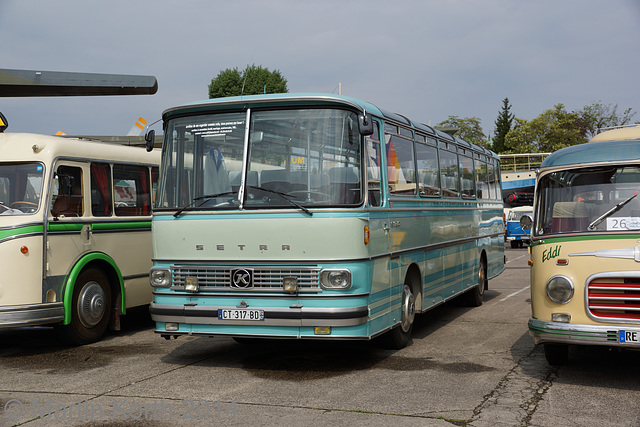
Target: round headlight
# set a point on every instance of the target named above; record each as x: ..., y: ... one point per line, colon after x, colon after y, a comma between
x: 560, y: 289
x: 160, y: 278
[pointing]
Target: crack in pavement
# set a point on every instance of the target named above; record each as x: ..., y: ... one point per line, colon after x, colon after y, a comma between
x: 516, y: 397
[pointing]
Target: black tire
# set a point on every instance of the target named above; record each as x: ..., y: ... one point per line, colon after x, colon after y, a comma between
x: 556, y: 354
x: 514, y: 244
x: 400, y: 336
x: 474, y: 297
x: 90, y: 308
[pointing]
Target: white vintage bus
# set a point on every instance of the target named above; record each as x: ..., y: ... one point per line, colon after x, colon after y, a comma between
x: 317, y: 216
x: 75, y: 232
x: 585, y: 252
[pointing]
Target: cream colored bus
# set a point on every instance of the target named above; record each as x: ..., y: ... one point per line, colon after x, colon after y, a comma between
x: 585, y: 246
x: 75, y: 232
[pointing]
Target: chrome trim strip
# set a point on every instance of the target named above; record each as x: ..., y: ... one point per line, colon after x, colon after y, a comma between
x: 570, y: 333
x: 29, y: 315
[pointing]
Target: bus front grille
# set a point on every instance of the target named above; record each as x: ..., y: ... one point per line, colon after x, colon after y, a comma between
x: 614, y: 299
x: 269, y: 279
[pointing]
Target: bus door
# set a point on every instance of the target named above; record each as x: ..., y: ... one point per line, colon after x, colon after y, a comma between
x: 68, y: 233
x: 379, y: 233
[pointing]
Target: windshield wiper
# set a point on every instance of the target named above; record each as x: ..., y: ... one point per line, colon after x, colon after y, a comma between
x: 610, y: 212
x: 197, y: 199
x: 285, y: 196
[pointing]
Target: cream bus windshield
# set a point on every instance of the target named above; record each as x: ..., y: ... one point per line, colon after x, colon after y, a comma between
x: 307, y: 157
x: 20, y: 188
x: 601, y: 199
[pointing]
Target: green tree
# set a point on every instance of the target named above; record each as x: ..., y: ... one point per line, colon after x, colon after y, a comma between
x: 550, y: 131
x: 503, y: 124
x: 252, y: 80
x: 467, y: 128
x: 598, y: 115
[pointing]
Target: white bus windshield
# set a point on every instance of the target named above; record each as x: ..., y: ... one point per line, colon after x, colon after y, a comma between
x: 296, y: 158
x: 597, y: 199
x: 20, y: 188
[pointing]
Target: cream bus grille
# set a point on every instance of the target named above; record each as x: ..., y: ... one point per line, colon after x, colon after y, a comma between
x: 614, y: 299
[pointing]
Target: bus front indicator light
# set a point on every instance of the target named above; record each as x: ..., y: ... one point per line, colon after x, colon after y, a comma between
x: 24, y: 250
x: 290, y: 285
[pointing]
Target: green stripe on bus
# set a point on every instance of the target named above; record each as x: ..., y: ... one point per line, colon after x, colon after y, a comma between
x: 584, y: 237
x: 120, y: 225
x: 20, y: 230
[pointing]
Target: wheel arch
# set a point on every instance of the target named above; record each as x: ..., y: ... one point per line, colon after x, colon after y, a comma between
x: 102, y: 262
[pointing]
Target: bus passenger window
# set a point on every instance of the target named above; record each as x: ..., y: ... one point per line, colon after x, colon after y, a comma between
x: 67, y: 197
x: 131, y: 190
x: 100, y: 189
x: 428, y: 173
x: 449, y: 174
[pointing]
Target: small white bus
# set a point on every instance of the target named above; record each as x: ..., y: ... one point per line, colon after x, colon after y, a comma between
x: 75, y: 232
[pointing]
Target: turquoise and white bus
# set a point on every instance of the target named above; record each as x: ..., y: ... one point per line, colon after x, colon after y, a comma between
x: 317, y: 216
x: 75, y: 232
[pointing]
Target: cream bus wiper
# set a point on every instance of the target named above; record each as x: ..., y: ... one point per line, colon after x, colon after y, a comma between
x: 197, y: 199
x: 610, y: 212
x: 285, y: 196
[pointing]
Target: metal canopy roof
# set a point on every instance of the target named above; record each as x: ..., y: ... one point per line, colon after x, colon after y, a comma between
x: 25, y: 83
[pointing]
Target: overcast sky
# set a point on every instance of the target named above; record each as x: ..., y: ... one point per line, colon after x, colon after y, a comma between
x: 424, y: 59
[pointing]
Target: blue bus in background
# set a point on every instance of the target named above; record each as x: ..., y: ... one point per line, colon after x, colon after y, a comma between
x: 514, y: 233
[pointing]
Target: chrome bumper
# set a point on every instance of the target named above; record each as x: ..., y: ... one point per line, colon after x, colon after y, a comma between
x: 30, y: 315
x: 569, y: 333
x: 273, y: 316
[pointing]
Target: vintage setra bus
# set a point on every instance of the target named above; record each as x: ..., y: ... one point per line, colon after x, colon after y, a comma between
x: 317, y: 216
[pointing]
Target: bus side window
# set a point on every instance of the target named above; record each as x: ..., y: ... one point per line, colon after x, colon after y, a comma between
x: 68, y: 200
x: 101, y: 189
x: 131, y: 190
x: 373, y: 166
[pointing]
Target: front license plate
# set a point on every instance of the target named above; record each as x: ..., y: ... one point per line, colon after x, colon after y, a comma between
x: 240, y: 314
x: 628, y: 337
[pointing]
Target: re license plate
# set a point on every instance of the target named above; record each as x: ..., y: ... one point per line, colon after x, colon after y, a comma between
x: 628, y: 337
x: 240, y: 314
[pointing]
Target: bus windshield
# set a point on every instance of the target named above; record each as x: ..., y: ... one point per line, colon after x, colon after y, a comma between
x: 20, y: 188
x: 595, y: 199
x: 295, y: 157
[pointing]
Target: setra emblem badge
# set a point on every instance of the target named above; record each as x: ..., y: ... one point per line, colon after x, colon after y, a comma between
x: 242, y: 278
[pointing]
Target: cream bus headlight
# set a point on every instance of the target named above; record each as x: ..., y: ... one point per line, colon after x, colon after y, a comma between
x: 335, y: 279
x: 160, y: 277
x: 560, y: 289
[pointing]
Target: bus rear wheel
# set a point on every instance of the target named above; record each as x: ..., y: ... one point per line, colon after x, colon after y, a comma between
x: 90, y: 308
x: 474, y: 297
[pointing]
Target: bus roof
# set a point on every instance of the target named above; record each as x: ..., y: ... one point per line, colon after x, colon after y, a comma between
x: 311, y: 99
x: 19, y: 147
x: 619, y: 134
x: 595, y: 152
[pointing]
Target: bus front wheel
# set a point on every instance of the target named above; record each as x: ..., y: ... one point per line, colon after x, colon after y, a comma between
x: 556, y: 354
x: 90, y: 308
x: 399, y: 336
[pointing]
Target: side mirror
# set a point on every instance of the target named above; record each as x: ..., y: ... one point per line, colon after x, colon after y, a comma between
x: 526, y: 222
x: 150, y: 139
x: 365, y: 124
